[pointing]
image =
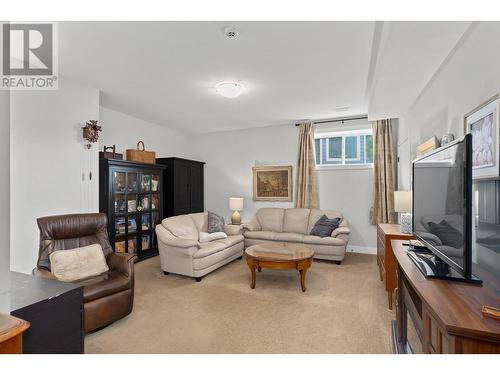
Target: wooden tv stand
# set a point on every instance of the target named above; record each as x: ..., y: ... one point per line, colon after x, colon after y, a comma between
x: 440, y: 316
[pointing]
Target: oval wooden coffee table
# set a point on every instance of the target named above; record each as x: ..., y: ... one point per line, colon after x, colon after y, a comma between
x: 279, y: 256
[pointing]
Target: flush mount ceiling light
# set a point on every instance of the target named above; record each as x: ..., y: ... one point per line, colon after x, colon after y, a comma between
x: 229, y: 89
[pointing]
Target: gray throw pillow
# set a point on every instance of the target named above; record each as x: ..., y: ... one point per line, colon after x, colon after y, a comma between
x: 325, y: 226
x: 447, y: 234
x: 215, y: 223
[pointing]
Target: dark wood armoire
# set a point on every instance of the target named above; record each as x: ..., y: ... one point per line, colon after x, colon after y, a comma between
x: 183, y: 186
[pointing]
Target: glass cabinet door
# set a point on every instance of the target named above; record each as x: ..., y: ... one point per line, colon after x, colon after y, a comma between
x: 132, y: 182
x: 120, y: 204
x: 145, y: 182
x: 155, y: 181
x: 119, y: 182
x: 146, y: 221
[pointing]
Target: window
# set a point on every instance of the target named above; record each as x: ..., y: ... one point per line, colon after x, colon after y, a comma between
x: 354, y: 147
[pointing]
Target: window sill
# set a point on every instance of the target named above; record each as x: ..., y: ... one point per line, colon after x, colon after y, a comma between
x: 343, y: 166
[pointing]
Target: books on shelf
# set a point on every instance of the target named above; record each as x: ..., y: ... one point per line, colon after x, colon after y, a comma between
x: 145, y: 242
x: 132, y: 225
x: 132, y: 245
x: 145, y: 222
x: 120, y: 226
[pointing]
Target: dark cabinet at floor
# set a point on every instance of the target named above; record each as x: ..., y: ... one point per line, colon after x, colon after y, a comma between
x: 131, y: 195
x: 183, y: 179
x: 54, y: 310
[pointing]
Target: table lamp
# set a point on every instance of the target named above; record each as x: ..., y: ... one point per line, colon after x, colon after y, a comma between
x: 402, y: 204
x: 236, y: 205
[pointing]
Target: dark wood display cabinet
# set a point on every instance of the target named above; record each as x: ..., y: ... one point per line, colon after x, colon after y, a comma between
x: 131, y: 195
x: 183, y: 193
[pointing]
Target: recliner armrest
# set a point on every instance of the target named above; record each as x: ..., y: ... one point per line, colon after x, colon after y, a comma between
x: 123, y: 263
x: 41, y: 272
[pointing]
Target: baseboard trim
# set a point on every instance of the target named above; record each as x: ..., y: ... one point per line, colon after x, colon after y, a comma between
x: 362, y: 249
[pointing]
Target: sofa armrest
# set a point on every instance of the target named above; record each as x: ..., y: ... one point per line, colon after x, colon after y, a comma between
x: 165, y: 236
x: 232, y: 230
x: 46, y: 274
x: 123, y: 263
x: 340, y: 230
x: 252, y: 225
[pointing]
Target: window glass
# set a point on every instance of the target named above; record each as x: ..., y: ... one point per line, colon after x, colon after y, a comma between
x: 351, y: 147
x: 344, y: 148
x: 335, y: 148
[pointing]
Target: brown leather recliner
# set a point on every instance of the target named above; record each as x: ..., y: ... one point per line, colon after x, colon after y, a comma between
x: 106, y: 297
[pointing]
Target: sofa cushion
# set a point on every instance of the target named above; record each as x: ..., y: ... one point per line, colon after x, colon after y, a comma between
x: 209, y: 248
x: 215, y: 223
x: 76, y: 264
x: 315, y: 215
x: 289, y: 237
x: 271, y: 219
x: 181, y: 226
x: 296, y: 220
x: 329, y: 241
x: 201, y: 221
x: 231, y: 240
x: 261, y: 235
x: 103, y: 285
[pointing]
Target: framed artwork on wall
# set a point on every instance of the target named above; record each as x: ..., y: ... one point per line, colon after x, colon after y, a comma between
x: 482, y: 123
x: 272, y: 183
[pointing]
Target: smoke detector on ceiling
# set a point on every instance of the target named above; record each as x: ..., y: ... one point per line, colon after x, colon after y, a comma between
x: 230, y: 32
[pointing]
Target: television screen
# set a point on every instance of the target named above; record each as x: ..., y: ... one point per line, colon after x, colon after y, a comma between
x: 442, y: 204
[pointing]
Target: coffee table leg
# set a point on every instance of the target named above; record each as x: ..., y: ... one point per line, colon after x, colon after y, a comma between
x: 303, y: 279
x: 251, y: 265
x: 302, y: 268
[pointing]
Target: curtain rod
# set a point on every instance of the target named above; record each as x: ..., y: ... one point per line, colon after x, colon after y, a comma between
x: 338, y: 120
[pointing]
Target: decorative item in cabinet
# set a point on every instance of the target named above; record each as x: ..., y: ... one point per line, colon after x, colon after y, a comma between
x: 120, y: 204
x: 155, y: 201
x: 145, y: 241
x: 119, y: 182
x: 120, y: 246
x: 143, y: 202
x: 145, y: 221
x: 132, y: 204
x: 131, y: 195
x: 145, y: 182
x: 132, y: 245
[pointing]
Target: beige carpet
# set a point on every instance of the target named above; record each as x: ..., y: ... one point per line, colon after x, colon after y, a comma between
x: 343, y: 311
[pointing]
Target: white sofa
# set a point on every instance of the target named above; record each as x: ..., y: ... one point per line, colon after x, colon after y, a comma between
x: 181, y: 252
x: 294, y: 225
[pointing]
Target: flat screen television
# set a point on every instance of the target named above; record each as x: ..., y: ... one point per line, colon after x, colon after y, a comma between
x: 442, y: 211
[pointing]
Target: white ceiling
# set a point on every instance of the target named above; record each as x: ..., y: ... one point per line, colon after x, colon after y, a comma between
x: 165, y: 72
x: 406, y: 56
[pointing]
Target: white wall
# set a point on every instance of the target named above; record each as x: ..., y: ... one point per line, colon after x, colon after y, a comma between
x: 125, y: 131
x: 49, y: 163
x: 230, y: 156
x: 468, y: 78
x: 4, y: 198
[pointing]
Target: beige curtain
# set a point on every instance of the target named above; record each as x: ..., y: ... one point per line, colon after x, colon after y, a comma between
x: 383, y: 171
x: 306, y: 185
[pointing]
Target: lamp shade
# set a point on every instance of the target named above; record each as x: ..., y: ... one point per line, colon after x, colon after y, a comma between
x: 236, y: 204
x: 402, y: 201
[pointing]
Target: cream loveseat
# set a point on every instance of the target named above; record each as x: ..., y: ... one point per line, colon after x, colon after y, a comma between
x: 182, y: 253
x: 294, y: 225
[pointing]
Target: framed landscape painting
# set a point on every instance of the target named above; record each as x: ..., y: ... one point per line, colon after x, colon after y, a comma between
x: 482, y: 123
x: 272, y: 183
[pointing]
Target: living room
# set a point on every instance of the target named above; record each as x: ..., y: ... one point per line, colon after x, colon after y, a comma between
x: 258, y: 183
